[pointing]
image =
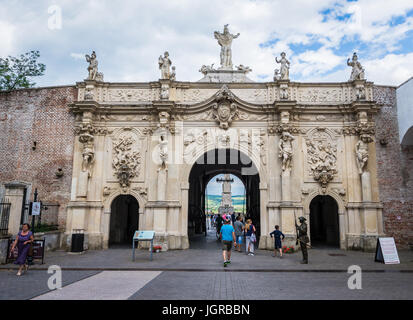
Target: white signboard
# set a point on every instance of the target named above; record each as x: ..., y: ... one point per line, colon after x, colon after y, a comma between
x: 36, y: 208
x: 386, y: 251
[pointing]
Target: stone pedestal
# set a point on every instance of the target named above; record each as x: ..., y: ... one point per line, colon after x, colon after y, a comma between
x: 366, y: 186
x: 222, y: 75
x: 162, y: 182
x: 82, y: 184
x: 286, y: 186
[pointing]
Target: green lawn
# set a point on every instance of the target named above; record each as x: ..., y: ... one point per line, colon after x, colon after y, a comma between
x: 215, y: 200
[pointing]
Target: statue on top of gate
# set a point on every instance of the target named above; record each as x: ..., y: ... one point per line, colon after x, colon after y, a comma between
x: 357, y: 72
x: 225, y: 41
x: 93, y: 68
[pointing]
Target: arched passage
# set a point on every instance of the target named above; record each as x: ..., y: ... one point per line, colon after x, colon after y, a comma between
x: 207, y: 166
x: 124, y: 219
x: 324, y: 221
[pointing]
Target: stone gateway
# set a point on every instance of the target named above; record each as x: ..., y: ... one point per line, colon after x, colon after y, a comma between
x: 144, y: 152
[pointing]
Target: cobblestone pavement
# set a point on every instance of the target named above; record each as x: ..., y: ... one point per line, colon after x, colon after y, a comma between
x: 187, y: 285
x: 198, y: 274
x: 33, y: 283
x: 205, y: 255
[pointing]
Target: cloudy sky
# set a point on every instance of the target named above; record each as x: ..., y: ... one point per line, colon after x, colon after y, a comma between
x: 128, y: 37
x: 215, y: 188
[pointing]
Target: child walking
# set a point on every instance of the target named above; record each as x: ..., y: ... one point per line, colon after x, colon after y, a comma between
x: 277, y: 237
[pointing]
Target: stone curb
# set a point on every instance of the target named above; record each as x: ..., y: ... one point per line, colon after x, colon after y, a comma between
x: 210, y: 270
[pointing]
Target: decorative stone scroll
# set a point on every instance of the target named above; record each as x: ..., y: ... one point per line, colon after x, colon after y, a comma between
x: 126, y: 160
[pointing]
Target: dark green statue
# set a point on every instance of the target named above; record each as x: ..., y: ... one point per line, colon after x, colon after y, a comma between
x: 302, y: 237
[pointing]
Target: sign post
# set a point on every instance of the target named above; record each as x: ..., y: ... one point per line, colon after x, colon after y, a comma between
x: 142, y: 236
x: 386, y: 251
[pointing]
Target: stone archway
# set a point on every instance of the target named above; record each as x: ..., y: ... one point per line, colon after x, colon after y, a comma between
x: 210, y: 164
x: 124, y: 219
x: 324, y: 221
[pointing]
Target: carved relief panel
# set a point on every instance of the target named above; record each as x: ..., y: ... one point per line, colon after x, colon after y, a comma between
x: 128, y: 150
x: 322, y: 154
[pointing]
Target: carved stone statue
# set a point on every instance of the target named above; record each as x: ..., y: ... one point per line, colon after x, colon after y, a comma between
x: 286, y: 150
x: 357, y: 72
x: 302, y: 237
x: 163, y: 148
x: 88, y: 156
x: 164, y: 65
x: 93, y: 68
x: 285, y: 66
x: 277, y: 75
x: 173, y: 74
x: 362, y: 152
x: 225, y: 41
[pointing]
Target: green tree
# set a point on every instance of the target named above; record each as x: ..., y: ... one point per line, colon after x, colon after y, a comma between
x: 15, y: 72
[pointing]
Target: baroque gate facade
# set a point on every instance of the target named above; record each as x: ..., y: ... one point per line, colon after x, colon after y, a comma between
x: 304, y: 139
x: 131, y: 141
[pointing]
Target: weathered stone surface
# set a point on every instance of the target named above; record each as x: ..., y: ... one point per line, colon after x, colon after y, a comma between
x: 395, y: 167
x: 41, y: 116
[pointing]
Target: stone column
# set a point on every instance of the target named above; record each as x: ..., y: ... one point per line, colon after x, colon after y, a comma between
x: 15, y: 193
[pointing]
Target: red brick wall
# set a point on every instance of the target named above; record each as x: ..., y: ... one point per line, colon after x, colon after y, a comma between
x: 40, y: 115
x: 394, y: 166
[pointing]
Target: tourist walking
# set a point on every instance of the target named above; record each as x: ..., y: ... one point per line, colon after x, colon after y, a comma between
x: 239, y: 232
x: 277, y: 240
x: 227, y: 235
x: 218, y: 222
x: 23, y: 241
x: 250, y: 237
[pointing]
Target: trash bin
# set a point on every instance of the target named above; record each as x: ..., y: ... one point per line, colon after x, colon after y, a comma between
x: 78, y: 238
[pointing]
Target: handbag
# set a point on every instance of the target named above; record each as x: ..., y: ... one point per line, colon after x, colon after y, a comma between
x: 253, y: 238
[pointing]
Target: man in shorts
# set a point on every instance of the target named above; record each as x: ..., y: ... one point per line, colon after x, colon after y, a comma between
x: 227, y: 235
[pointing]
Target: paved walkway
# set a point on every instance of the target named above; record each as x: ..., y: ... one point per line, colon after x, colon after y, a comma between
x: 198, y: 274
x: 205, y: 255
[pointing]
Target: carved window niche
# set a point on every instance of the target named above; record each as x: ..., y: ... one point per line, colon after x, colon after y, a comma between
x: 322, y: 161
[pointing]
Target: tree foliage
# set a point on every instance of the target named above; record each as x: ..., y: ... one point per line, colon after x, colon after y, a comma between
x: 15, y: 72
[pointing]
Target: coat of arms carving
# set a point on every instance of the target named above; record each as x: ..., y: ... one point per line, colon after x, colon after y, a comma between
x: 224, y: 110
x: 126, y: 161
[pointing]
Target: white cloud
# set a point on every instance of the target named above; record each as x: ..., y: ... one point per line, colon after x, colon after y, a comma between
x: 77, y: 56
x: 393, y: 69
x: 129, y: 36
x: 7, y: 32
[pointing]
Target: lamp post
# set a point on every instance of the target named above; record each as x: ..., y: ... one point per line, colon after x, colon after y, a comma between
x: 33, y: 216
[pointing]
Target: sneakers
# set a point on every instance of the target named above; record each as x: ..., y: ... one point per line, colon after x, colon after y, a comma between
x: 226, y: 263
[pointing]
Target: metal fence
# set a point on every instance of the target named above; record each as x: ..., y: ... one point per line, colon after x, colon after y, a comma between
x: 4, y: 216
x: 49, y: 214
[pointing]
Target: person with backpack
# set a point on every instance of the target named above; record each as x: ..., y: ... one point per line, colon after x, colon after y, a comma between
x: 250, y: 237
x: 227, y: 235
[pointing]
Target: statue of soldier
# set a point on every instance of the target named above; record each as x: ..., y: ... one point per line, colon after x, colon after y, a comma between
x: 302, y: 237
